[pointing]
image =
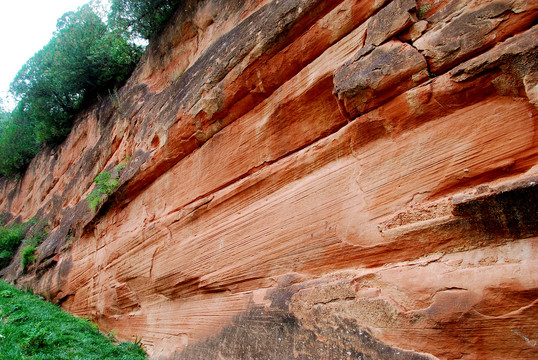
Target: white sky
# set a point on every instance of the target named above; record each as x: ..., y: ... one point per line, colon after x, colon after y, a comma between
x: 25, y: 27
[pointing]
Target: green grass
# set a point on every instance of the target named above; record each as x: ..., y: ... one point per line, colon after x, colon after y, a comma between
x: 31, y: 328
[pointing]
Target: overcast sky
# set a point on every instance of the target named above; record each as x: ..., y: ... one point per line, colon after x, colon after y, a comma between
x: 25, y: 27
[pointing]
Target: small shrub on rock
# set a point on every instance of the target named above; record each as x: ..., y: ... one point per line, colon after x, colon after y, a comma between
x: 105, y: 185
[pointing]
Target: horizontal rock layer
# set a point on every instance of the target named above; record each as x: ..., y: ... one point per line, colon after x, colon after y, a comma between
x: 309, y: 179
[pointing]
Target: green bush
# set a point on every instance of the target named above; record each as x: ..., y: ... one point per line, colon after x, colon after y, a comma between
x: 10, y: 239
x: 12, y: 236
x: 29, y: 251
x: 28, y: 255
x: 105, y: 185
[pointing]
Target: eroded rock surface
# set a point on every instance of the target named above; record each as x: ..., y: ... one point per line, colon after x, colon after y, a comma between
x: 374, y: 77
x: 306, y: 179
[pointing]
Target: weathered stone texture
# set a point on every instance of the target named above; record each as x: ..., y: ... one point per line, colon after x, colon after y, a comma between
x: 377, y: 76
x: 306, y: 179
x: 391, y: 20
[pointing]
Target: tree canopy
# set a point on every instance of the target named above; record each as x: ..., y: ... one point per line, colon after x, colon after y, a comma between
x: 141, y: 18
x: 85, y: 58
x: 17, y: 143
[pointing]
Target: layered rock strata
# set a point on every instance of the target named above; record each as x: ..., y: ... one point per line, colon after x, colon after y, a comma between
x: 306, y: 179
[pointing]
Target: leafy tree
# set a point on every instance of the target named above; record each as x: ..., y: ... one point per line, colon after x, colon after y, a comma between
x: 142, y: 18
x: 83, y: 59
x: 17, y: 142
x: 4, y: 116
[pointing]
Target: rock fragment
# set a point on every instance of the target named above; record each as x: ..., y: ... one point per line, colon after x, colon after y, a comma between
x: 372, y: 79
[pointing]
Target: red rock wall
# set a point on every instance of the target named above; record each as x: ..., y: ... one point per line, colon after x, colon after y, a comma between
x: 306, y: 179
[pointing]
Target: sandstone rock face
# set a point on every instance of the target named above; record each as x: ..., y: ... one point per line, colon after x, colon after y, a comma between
x: 375, y: 77
x: 306, y: 179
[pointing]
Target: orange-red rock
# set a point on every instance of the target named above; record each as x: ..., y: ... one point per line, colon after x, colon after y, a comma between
x: 298, y: 182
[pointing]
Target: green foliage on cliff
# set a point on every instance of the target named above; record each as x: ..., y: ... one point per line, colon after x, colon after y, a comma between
x: 105, y: 185
x: 31, y: 243
x: 31, y: 328
x: 18, y: 144
x: 84, y: 59
x: 4, y: 114
x: 31, y: 234
x: 142, y: 18
x: 10, y: 239
x: 28, y: 255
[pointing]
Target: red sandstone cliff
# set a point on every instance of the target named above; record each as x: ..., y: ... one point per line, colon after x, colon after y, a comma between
x: 306, y: 179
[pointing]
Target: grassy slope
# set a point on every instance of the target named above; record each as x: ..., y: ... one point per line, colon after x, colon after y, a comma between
x: 31, y: 328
